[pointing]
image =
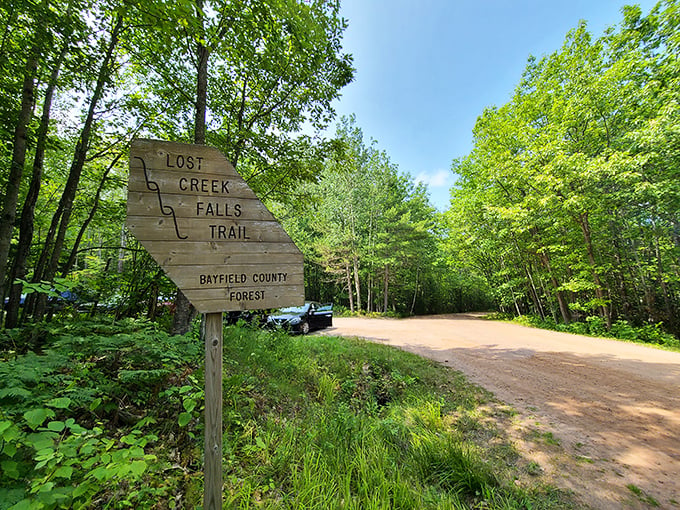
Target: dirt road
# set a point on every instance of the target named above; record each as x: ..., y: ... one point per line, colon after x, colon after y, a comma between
x: 613, y: 406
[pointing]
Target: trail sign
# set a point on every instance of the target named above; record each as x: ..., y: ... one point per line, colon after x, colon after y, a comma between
x: 220, y: 245
x: 207, y: 229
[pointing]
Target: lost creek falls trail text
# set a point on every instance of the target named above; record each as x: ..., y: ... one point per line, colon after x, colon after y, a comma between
x: 214, y: 208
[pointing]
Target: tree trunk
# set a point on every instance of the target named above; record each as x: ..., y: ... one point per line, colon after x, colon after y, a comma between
x: 185, y: 312
x: 553, y: 312
x: 10, y: 201
x: 386, y: 280
x: 670, y: 317
x: 83, y: 227
x: 348, y: 275
x: 369, y: 293
x: 564, y: 307
x: 532, y: 287
x: 534, y: 292
x: 599, y: 288
x: 28, y: 209
x: 121, y: 251
x: 47, y: 266
x: 415, y: 291
x: 357, y: 284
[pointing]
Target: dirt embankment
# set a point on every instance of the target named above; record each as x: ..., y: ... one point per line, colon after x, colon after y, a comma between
x: 614, y: 407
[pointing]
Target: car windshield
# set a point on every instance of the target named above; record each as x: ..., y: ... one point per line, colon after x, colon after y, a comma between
x: 295, y: 309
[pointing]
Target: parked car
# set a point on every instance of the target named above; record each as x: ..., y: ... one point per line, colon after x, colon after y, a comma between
x: 302, y: 319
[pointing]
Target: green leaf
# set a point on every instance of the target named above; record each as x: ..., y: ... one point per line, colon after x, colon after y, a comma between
x: 136, y: 452
x: 189, y: 404
x: 4, y: 425
x: 24, y: 504
x: 46, y: 487
x: 184, y: 419
x: 81, y: 489
x: 64, y: 472
x: 95, y: 404
x: 120, y: 456
x: 45, y: 454
x: 11, y: 433
x: 10, y: 468
x: 56, y: 426
x: 42, y: 440
x: 59, y: 403
x: 9, y: 449
x: 138, y: 467
x: 36, y: 417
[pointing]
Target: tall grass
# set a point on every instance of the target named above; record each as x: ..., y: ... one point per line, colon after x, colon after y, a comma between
x: 349, y: 424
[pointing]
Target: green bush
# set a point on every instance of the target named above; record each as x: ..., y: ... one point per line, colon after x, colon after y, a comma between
x: 595, y: 325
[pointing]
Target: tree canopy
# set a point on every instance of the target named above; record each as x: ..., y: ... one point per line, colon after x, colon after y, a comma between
x: 79, y: 80
x: 566, y: 207
x: 568, y: 203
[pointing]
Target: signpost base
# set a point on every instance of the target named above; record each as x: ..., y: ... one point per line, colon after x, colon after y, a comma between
x: 213, y: 334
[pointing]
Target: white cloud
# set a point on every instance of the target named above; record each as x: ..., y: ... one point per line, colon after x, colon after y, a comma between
x: 436, y: 179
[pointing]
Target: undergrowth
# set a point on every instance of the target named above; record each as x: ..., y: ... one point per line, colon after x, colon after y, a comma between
x: 596, y: 326
x: 109, y: 415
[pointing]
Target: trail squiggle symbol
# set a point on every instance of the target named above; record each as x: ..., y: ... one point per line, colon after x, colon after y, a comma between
x: 165, y: 209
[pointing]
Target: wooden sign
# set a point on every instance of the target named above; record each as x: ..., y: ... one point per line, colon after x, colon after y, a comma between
x: 205, y: 227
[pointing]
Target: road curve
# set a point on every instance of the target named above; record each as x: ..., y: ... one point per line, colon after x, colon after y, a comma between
x: 614, y: 406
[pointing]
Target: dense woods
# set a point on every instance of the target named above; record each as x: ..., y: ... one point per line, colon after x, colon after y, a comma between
x: 566, y: 208
x: 80, y: 79
x: 372, y: 240
x: 246, y: 77
x: 569, y: 202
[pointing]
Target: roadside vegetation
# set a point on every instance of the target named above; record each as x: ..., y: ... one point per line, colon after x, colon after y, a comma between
x: 650, y: 334
x: 106, y: 414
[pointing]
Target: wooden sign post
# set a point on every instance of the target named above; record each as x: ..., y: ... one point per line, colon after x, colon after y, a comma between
x: 220, y: 245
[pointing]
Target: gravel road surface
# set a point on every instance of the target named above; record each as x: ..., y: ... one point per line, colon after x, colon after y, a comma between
x: 613, y: 406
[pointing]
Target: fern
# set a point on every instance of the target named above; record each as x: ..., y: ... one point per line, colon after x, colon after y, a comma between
x: 14, y: 394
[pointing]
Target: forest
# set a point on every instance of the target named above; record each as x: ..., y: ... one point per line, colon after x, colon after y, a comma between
x: 565, y: 209
x: 569, y: 203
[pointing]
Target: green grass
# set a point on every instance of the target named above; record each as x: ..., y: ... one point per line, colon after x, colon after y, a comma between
x: 648, y: 334
x: 309, y: 422
x: 645, y: 498
x: 352, y: 424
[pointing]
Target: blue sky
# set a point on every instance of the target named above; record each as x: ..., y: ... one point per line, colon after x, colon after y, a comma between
x: 426, y: 69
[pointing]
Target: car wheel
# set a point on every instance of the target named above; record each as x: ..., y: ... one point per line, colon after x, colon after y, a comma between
x: 304, y: 328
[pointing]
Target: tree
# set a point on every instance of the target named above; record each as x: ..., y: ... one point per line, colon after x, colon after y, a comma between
x: 262, y: 70
x: 562, y: 179
x: 256, y: 73
x: 370, y: 230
